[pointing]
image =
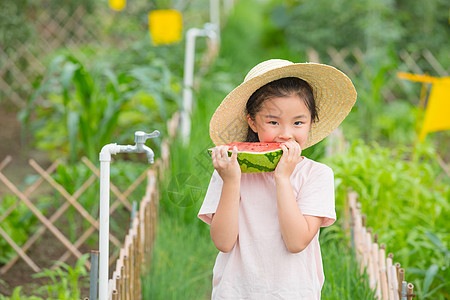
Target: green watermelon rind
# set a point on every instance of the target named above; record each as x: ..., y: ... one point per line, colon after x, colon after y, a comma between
x: 251, y: 162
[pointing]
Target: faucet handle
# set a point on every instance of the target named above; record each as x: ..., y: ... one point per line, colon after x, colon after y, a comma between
x: 140, y: 137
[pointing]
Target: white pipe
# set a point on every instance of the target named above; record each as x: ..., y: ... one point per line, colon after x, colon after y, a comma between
x: 105, y: 160
x: 188, y: 77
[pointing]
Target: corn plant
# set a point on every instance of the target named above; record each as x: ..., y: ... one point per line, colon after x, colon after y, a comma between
x: 83, y: 109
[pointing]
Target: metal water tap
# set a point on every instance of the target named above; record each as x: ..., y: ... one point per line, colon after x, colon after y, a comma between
x: 139, y: 138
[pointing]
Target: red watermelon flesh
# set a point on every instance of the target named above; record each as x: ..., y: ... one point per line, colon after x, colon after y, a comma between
x: 256, y: 157
x: 255, y: 147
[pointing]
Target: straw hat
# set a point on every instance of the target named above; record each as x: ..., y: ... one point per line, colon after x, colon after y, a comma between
x: 333, y: 92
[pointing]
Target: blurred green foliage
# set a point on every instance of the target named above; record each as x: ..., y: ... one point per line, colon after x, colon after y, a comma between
x: 373, y: 26
x: 86, y: 109
x: 13, y: 24
x: 404, y: 193
x: 19, y: 224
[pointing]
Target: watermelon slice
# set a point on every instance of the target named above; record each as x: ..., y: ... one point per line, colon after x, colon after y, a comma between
x: 256, y: 157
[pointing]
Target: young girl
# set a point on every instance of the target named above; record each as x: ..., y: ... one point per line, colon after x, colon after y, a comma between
x: 266, y: 225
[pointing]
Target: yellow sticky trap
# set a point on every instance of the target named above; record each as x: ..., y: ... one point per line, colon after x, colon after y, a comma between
x: 117, y: 4
x: 437, y: 113
x: 165, y: 26
x: 416, y: 77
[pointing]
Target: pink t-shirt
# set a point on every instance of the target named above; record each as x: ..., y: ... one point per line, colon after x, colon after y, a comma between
x: 260, y: 266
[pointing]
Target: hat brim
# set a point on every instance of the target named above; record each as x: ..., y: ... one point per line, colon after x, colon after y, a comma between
x: 333, y: 91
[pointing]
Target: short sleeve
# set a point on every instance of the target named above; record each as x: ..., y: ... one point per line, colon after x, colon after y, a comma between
x: 212, y: 198
x: 316, y: 196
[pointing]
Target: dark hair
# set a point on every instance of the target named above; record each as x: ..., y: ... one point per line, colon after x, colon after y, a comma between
x: 283, y: 87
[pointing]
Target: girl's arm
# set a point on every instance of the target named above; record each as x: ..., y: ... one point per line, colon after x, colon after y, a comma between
x: 297, y: 229
x: 225, y: 222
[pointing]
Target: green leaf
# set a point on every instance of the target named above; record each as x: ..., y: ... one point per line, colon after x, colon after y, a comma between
x: 429, y: 277
x: 73, y: 119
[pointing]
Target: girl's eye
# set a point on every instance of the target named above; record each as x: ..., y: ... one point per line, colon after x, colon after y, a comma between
x: 273, y: 122
x: 297, y: 123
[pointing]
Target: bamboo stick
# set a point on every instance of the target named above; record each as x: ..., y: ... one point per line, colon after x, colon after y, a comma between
x: 395, y: 281
x: 401, y: 278
x: 370, y: 263
x: 383, y: 275
x: 122, y: 283
x: 404, y: 292
x: 19, y: 251
x: 126, y: 276
x: 149, y: 224
x: 347, y: 210
x: 362, y: 250
x: 118, y: 287
x: 136, y: 264
x: 389, y: 276
x: 410, y: 291
x: 110, y: 288
x: 129, y: 267
x: 5, y: 162
x: 357, y: 235
x: 376, y: 270
x: 140, y: 261
x: 397, y: 268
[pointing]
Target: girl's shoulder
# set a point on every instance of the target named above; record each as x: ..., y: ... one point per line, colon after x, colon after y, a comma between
x: 313, y: 168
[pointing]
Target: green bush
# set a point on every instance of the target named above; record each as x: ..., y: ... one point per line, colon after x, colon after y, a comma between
x: 404, y: 193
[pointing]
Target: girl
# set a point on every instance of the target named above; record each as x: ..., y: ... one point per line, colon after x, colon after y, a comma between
x: 266, y: 225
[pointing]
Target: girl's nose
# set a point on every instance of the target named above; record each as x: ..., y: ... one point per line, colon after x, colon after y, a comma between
x: 285, y: 135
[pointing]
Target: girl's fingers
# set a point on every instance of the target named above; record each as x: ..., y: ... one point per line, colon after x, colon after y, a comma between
x: 224, y: 153
x: 285, y: 151
x: 292, y: 151
x: 234, y: 154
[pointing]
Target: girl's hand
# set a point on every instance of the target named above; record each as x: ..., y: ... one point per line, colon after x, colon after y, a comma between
x: 227, y: 167
x: 291, y: 157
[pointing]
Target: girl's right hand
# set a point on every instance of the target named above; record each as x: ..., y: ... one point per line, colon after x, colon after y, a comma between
x: 227, y: 167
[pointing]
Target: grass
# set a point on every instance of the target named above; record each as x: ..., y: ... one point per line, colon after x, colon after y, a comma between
x: 182, y: 262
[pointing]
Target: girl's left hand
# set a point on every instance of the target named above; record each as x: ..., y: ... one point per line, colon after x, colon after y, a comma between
x: 291, y: 157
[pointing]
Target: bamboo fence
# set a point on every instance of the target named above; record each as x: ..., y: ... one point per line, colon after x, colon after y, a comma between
x: 385, y: 277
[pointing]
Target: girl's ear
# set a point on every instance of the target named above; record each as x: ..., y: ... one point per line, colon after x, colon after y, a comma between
x: 251, y: 123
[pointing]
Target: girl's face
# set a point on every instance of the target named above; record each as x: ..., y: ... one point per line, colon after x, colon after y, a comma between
x: 282, y: 119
